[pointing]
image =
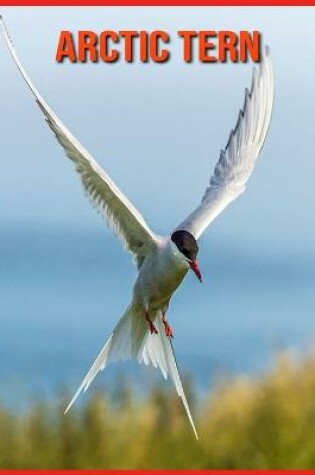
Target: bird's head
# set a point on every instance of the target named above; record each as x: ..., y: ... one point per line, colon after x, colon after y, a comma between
x: 187, y: 245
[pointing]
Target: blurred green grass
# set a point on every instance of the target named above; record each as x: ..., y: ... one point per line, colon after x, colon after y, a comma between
x: 259, y: 423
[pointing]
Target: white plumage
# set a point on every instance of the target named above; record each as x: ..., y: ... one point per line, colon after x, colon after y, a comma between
x: 162, y: 261
x: 237, y: 161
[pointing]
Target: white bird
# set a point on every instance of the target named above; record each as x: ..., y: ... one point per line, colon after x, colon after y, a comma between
x: 143, y: 332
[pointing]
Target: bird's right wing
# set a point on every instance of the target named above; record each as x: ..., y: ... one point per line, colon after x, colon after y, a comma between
x: 239, y: 157
x: 125, y: 220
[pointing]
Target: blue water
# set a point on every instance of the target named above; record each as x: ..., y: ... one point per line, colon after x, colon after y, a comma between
x: 62, y: 292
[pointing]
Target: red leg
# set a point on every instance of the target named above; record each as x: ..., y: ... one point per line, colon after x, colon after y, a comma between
x: 168, y: 329
x: 151, y: 324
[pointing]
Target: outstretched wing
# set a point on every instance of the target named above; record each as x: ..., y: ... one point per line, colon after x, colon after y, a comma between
x: 237, y: 161
x: 121, y: 215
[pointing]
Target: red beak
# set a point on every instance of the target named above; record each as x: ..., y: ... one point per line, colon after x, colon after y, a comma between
x: 195, y: 268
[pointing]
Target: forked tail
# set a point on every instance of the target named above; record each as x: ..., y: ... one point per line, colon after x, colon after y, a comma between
x: 131, y: 339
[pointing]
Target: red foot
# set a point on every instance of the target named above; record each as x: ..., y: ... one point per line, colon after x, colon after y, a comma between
x: 152, y: 326
x: 153, y: 329
x: 168, y: 329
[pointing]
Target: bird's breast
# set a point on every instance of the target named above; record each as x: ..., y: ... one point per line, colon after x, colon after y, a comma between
x: 158, y: 279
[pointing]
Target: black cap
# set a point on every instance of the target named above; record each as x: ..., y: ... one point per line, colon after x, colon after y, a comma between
x: 186, y: 244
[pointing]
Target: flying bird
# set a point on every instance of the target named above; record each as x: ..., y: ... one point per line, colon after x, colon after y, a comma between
x: 143, y: 332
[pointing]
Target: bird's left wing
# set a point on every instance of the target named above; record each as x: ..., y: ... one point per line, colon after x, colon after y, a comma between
x: 125, y: 220
x: 238, y: 159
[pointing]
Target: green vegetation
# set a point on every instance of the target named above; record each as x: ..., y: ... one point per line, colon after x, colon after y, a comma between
x: 266, y: 423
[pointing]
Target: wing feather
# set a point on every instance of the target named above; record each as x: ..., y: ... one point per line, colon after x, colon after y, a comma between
x: 122, y: 217
x: 238, y: 159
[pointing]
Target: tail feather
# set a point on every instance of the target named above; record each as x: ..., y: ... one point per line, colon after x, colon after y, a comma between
x: 131, y: 339
x: 158, y: 350
x: 121, y: 345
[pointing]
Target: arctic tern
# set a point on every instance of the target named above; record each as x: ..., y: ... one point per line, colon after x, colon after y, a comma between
x: 143, y: 332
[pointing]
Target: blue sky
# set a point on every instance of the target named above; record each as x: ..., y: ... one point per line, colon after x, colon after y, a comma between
x: 158, y: 129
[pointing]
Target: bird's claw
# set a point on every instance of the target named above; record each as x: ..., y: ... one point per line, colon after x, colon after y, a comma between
x: 153, y: 329
x: 168, y: 329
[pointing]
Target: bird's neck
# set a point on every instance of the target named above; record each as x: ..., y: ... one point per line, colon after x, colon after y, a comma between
x: 174, y: 256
